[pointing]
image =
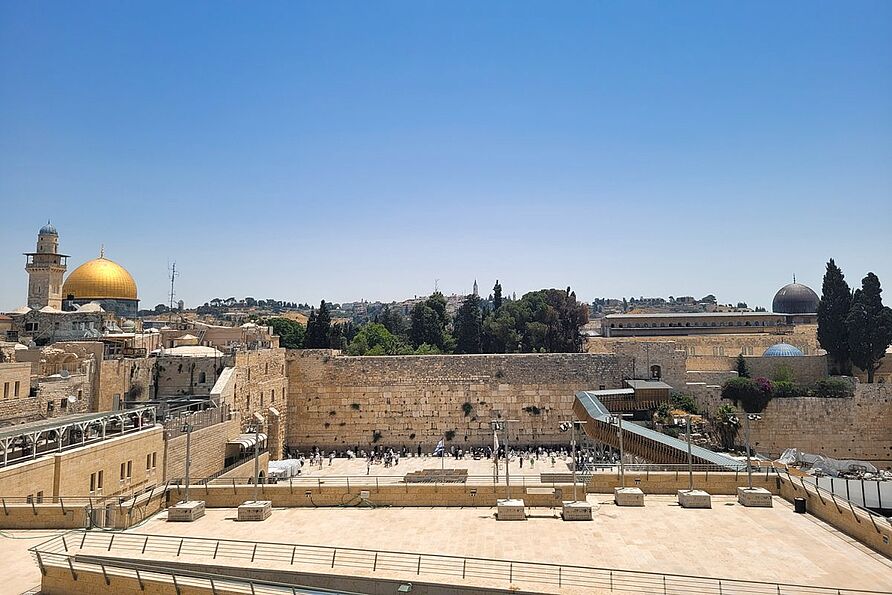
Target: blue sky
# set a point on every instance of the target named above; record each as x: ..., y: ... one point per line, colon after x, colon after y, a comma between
x: 348, y: 150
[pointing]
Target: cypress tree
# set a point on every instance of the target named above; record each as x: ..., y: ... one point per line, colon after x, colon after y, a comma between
x: 836, y: 302
x: 869, y: 326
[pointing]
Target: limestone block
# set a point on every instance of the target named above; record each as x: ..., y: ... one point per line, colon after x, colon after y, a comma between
x: 754, y: 497
x: 510, y: 510
x: 186, y: 511
x: 628, y: 497
x: 577, y: 511
x: 694, y: 499
x: 252, y: 510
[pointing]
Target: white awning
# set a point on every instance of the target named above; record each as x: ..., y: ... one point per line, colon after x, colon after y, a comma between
x: 248, y: 440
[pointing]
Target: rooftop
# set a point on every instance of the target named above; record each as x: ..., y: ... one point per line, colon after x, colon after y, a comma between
x: 780, y: 545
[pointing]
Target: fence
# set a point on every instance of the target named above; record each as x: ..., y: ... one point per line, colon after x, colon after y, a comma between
x: 162, y: 548
x: 198, y: 420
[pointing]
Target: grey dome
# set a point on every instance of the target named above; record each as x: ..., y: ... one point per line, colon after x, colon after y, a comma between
x: 48, y: 230
x: 795, y: 298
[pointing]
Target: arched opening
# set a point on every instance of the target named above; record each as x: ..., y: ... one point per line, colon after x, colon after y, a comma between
x: 656, y: 372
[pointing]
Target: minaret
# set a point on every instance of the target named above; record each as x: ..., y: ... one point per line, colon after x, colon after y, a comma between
x: 45, y: 268
x: 476, y: 293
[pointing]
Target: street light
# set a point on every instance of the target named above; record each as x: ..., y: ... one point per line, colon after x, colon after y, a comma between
x: 571, y: 425
x: 749, y: 468
x: 687, y: 419
x: 617, y: 419
x: 258, y: 420
x: 502, y: 425
x: 187, y: 429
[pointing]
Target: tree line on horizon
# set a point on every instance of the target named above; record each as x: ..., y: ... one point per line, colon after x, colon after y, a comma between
x: 544, y: 321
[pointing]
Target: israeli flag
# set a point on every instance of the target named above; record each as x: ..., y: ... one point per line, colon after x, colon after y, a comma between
x: 441, y: 448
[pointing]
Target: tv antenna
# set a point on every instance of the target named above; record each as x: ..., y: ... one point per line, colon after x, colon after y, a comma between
x: 172, y: 271
x: 436, y: 285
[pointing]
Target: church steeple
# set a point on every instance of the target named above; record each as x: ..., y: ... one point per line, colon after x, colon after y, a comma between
x: 476, y: 292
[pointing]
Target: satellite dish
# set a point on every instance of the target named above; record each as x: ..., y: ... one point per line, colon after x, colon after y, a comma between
x: 64, y: 373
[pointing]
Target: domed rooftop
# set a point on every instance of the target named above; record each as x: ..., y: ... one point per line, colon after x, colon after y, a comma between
x: 782, y: 350
x: 100, y: 279
x: 48, y: 230
x: 795, y: 298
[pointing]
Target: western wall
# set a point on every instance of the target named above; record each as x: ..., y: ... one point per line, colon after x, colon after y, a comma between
x: 338, y: 401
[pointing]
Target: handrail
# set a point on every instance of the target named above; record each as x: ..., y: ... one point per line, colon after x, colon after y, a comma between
x: 142, y: 572
x: 73, y: 544
x: 871, y: 516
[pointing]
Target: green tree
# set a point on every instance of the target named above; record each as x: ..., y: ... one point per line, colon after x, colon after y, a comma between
x: 374, y: 339
x: 393, y: 321
x: 468, y: 326
x: 428, y: 324
x: 497, y: 295
x: 833, y: 310
x: 319, y: 328
x: 291, y: 333
x: 869, y: 326
x: 742, y: 369
x: 727, y: 425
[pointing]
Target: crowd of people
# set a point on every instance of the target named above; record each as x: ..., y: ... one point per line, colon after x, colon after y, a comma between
x: 586, y: 457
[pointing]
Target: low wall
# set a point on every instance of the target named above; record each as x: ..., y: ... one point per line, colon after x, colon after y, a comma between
x: 43, y: 516
x: 805, y: 369
x: 446, y: 495
x: 872, y: 531
x: 717, y: 484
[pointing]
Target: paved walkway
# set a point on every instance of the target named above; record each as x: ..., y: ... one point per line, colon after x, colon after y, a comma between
x: 728, y: 541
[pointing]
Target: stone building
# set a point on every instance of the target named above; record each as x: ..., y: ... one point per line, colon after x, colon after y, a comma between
x: 45, y: 268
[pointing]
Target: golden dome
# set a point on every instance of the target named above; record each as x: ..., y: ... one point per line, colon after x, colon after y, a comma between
x: 99, y: 279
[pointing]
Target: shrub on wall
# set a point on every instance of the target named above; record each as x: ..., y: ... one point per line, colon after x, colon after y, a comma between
x: 833, y: 388
x: 752, y: 395
x: 467, y: 408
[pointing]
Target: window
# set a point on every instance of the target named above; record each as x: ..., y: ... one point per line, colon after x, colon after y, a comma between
x: 31, y: 327
x: 123, y: 469
x: 40, y: 497
x: 656, y: 372
x: 202, y: 378
x: 17, y: 387
x: 5, y: 390
x: 129, y: 469
x: 154, y: 460
x: 99, y: 482
x: 92, y: 482
x: 148, y: 462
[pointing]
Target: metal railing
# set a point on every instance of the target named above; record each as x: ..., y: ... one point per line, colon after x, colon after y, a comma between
x: 165, y: 548
x: 197, y: 419
x: 180, y: 578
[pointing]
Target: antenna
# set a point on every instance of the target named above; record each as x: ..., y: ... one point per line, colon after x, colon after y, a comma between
x: 172, y: 270
x: 436, y: 285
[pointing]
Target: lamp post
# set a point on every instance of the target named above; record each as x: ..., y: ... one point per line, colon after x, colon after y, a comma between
x: 687, y: 419
x: 256, y: 461
x: 618, y: 420
x: 502, y: 424
x: 749, y: 467
x: 571, y: 425
x: 187, y: 429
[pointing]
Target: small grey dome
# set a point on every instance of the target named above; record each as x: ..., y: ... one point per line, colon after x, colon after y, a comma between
x: 795, y: 298
x: 48, y: 230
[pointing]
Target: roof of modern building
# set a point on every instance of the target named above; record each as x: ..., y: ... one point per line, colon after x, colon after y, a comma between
x: 692, y: 314
x: 648, y: 384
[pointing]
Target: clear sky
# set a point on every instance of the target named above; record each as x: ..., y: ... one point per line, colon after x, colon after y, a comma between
x: 348, y: 150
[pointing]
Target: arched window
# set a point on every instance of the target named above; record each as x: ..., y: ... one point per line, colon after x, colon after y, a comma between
x: 202, y: 378
x: 656, y: 372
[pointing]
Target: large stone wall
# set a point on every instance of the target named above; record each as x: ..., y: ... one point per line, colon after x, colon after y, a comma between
x: 855, y: 428
x: 260, y: 384
x: 207, y: 451
x: 338, y: 401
